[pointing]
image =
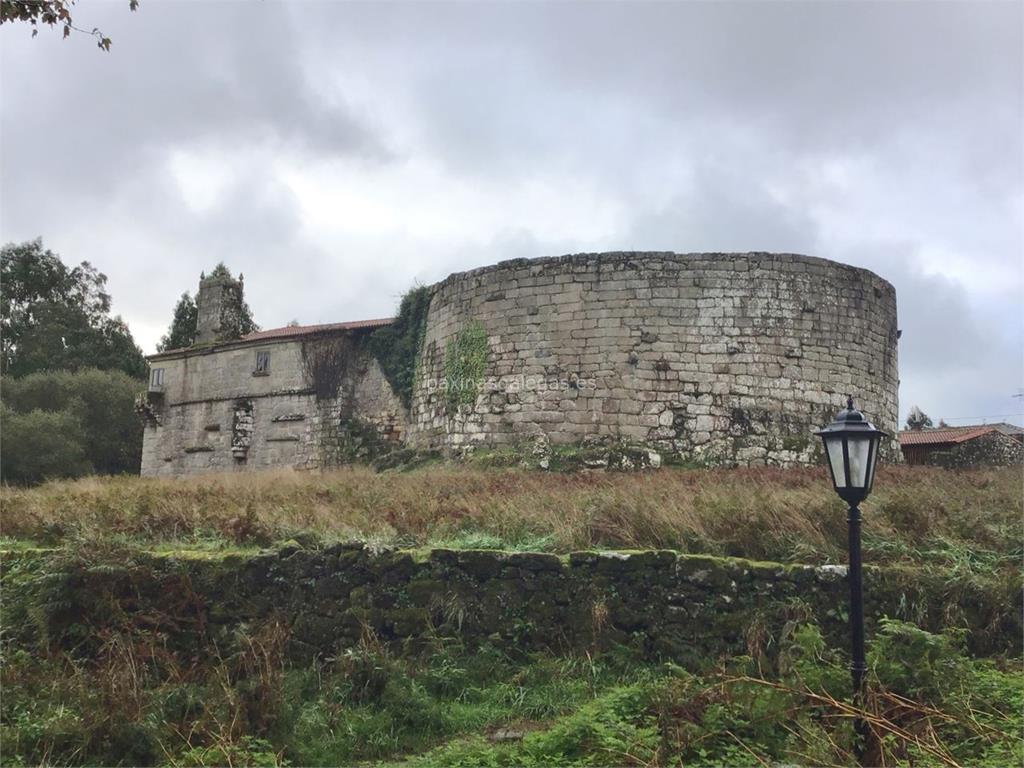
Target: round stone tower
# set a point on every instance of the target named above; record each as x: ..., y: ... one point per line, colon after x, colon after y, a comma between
x: 732, y: 358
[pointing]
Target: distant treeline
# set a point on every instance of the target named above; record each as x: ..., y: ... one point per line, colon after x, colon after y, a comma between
x: 70, y: 371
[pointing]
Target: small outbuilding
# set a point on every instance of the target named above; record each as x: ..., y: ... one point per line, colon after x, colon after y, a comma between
x: 979, y: 445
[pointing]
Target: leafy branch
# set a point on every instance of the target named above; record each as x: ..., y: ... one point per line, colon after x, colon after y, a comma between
x: 52, y: 13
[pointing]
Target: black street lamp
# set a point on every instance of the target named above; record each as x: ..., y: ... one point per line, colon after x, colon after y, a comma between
x: 851, y: 446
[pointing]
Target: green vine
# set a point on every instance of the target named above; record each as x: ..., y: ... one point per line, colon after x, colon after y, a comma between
x: 465, y: 361
x: 397, y: 346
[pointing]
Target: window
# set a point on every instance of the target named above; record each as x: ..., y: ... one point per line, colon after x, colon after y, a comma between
x: 157, y: 378
x: 262, y: 363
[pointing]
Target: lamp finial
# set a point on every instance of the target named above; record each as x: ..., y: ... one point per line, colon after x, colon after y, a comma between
x: 849, y: 402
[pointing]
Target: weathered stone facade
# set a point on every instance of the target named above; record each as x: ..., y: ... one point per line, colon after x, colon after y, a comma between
x: 722, y: 357
x: 717, y: 358
x: 215, y: 412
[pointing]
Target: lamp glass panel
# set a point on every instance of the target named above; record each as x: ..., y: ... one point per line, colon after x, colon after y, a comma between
x: 834, y: 446
x: 859, y: 448
x: 874, y: 461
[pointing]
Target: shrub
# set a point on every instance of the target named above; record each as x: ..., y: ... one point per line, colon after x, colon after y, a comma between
x: 65, y: 424
x: 40, y: 445
x: 918, y: 664
x: 251, y: 751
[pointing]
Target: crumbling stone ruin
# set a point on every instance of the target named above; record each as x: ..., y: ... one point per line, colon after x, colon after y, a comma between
x: 639, y: 358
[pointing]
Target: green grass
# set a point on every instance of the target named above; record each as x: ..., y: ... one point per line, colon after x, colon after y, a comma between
x: 456, y: 706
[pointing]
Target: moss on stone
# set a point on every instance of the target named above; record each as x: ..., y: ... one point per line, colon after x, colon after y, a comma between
x: 796, y: 443
x: 646, y: 598
x: 465, y: 362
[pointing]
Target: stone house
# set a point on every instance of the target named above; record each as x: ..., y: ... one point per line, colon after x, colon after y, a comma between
x: 979, y: 445
x: 260, y: 401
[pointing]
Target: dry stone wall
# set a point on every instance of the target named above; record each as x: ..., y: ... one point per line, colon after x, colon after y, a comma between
x: 663, y: 604
x: 726, y: 358
x: 991, y: 450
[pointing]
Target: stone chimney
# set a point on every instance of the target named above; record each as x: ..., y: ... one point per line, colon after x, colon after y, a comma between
x: 210, y: 301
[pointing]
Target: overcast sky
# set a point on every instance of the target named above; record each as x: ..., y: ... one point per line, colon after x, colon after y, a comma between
x: 337, y: 153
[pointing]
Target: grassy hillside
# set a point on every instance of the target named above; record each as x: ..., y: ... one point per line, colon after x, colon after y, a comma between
x: 135, y: 695
x: 961, y: 520
x: 452, y: 706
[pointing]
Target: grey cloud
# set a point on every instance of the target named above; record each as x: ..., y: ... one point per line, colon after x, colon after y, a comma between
x: 808, y: 76
x: 955, y: 362
x: 706, y: 126
x: 174, y: 77
x: 724, y: 210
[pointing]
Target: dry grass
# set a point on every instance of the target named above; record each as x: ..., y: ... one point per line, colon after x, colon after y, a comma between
x: 915, y: 513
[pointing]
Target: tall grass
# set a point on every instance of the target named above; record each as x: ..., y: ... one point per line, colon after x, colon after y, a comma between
x: 968, y: 519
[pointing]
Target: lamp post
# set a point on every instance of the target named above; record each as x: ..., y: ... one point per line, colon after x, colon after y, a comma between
x: 851, y: 447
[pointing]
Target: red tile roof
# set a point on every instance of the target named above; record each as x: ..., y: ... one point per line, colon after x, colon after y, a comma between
x: 307, y: 330
x: 944, y: 434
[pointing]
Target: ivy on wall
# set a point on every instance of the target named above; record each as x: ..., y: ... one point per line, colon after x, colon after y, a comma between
x: 397, y: 346
x: 465, y: 361
x: 326, y: 362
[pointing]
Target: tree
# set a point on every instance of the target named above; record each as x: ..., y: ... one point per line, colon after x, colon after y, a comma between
x: 917, y: 419
x: 56, y: 318
x: 182, y: 332
x: 92, y: 417
x: 52, y: 13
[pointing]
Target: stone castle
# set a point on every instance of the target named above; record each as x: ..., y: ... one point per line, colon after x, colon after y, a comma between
x: 716, y: 358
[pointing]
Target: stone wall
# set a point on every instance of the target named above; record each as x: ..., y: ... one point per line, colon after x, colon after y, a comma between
x: 729, y: 358
x: 355, y: 412
x: 993, y: 449
x: 215, y: 413
x: 709, y: 358
x: 666, y: 605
